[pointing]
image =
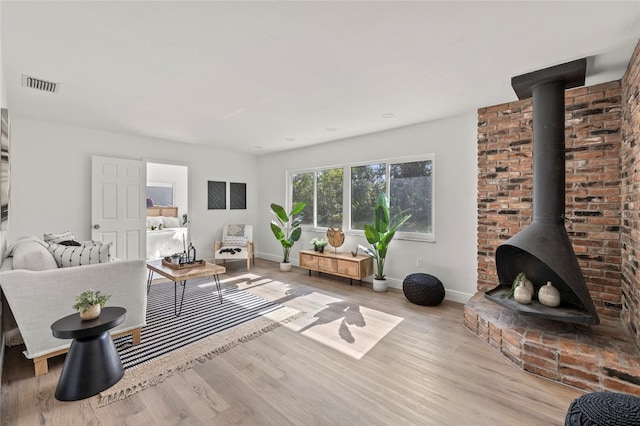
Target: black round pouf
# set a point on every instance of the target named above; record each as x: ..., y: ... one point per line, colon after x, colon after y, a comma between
x: 604, y: 408
x: 423, y: 289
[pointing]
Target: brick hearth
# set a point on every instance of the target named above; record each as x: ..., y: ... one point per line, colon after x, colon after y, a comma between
x: 593, y: 358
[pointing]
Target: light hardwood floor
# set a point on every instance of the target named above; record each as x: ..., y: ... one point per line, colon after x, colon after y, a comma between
x: 428, y: 370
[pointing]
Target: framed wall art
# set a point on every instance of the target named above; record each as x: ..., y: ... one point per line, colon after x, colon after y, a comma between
x: 5, y: 169
x: 238, y: 196
x: 217, y: 195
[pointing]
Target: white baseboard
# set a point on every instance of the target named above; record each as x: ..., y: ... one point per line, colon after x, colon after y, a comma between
x: 452, y: 295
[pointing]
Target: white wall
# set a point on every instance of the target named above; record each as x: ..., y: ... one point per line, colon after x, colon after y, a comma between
x: 453, y: 257
x: 175, y: 175
x: 51, y: 179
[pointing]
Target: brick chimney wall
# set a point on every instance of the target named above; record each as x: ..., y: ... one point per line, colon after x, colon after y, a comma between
x: 593, y: 186
x: 630, y: 159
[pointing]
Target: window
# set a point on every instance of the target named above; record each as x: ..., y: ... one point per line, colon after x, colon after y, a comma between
x: 160, y: 194
x: 410, y: 192
x: 345, y: 196
x: 366, y: 183
x: 330, y: 194
x: 302, y: 191
x: 322, y: 191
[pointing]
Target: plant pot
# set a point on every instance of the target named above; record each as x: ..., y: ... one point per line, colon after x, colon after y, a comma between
x: 285, y: 266
x: 321, y: 249
x: 92, y: 313
x: 316, y: 248
x: 380, y: 285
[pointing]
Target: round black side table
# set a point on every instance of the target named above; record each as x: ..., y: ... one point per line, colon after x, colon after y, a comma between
x: 92, y: 364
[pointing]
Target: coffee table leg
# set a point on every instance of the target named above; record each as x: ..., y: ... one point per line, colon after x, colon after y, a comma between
x: 149, y: 279
x: 217, y: 280
x: 175, y: 297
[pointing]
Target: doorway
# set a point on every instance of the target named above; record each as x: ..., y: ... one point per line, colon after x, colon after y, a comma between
x: 167, y: 195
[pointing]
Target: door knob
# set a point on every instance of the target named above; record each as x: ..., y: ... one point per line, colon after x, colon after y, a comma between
x: 96, y: 226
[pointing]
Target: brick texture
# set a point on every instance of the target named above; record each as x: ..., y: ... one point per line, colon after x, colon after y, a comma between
x: 630, y: 193
x: 593, y: 185
x: 597, y: 358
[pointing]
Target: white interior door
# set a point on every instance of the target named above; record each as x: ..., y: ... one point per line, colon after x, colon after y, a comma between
x: 118, y: 209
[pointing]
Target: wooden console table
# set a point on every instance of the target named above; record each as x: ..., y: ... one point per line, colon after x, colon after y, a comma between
x: 340, y: 264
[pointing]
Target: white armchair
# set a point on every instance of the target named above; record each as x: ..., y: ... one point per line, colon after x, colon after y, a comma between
x: 236, y: 244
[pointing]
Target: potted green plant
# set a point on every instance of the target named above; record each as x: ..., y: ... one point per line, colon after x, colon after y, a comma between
x: 286, y: 229
x: 89, y: 303
x: 379, y: 234
x: 320, y: 244
x: 313, y: 243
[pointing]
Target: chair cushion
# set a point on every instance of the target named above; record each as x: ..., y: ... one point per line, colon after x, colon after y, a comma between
x: 233, y: 241
x: 33, y: 256
x: 229, y: 252
x: 66, y: 256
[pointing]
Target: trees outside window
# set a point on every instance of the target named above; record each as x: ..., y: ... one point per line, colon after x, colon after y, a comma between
x: 408, y: 182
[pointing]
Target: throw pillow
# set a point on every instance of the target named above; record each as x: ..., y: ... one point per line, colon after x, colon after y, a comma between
x: 70, y: 243
x: 171, y: 222
x: 154, y: 221
x: 234, y: 241
x: 58, y: 237
x: 235, y: 230
x: 66, y: 256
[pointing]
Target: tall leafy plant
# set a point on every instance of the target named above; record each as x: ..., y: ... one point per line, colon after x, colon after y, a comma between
x: 286, y: 227
x: 380, y: 233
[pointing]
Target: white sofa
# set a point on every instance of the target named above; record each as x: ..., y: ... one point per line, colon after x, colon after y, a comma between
x: 39, y: 293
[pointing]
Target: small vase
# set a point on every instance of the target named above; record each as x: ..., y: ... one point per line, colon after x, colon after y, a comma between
x: 548, y: 295
x: 315, y: 248
x: 92, y: 313
x: 380, y: 285
x: 521, y: 295
x: 321, y: 249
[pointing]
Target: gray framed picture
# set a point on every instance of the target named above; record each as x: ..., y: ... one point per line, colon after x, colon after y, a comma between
x: 238, y: 195
x: 5, y: 169
x: 217, y: 195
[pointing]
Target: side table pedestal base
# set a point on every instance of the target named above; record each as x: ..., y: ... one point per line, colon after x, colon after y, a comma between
x: 91, y: 366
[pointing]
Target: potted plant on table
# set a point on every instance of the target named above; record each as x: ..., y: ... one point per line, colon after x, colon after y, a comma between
x: 379, y: 234
x: 286, y: 229
x: 89, y: 303
x: 320, y: 244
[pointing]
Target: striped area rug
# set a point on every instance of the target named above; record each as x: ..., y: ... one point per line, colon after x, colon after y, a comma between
x: 204, y: 330
x: 202, y: 316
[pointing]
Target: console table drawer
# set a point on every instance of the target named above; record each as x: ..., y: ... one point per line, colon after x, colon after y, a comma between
x: 308, y: 261
x: 327, y: 264
x: 350, y: 269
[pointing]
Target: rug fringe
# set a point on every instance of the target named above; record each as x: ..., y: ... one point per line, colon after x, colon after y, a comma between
x: 106, y: 399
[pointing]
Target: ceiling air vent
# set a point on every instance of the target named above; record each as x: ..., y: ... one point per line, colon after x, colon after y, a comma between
x: 37, y: 83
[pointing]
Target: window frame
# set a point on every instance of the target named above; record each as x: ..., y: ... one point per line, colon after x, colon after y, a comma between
x: 346, y: 194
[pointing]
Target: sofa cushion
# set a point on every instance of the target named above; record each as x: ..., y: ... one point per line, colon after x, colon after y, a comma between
x: 33, y: 256
x: 58, y: 237
x: 66, y: 256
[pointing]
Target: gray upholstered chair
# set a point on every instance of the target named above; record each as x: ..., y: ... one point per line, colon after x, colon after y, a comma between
x: 236, y: 244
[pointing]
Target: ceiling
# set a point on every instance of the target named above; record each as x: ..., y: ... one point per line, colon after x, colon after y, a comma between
x: 260, y: 77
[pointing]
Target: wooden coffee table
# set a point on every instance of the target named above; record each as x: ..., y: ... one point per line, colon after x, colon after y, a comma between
x: 180, y: 276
